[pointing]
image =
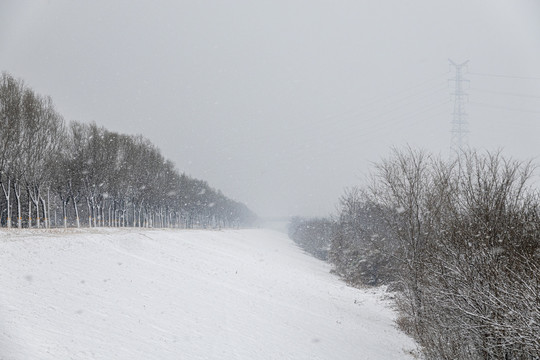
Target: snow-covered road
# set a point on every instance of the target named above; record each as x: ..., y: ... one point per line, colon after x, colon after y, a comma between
x: 165, y: 294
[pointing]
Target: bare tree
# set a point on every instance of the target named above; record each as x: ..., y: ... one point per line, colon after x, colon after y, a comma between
x: 11, y: 93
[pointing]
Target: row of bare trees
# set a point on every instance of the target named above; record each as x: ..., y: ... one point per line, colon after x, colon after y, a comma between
x: 460, y: 240
x: 53, y: 174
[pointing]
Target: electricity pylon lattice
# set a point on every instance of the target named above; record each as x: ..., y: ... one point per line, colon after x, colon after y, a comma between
x: 459, y: 115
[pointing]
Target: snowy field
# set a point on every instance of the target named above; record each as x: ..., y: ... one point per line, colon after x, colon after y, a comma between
x: 165, y: 294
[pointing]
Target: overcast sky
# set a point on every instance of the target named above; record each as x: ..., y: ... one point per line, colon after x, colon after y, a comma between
x: 283, y: 104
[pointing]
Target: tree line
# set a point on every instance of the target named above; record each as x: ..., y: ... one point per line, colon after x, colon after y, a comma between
x: 459, y: 239
x: 56, y: 174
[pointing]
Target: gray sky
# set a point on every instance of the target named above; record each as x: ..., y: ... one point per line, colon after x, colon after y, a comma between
x: 283, y: 104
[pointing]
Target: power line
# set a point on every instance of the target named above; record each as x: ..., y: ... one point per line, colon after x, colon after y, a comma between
x: 360, y: 108
x: 503, y: 107
x: 379, y: 109
x: 504, y: 76
x: 529, y: 96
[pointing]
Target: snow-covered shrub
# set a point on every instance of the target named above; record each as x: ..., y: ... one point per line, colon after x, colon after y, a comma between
x: 461, y: 240
x: 312, y: 235
x: 362, y: 249
x: 468, y: 236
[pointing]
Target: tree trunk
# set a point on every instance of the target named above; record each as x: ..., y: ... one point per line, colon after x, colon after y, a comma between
x: 94, y: 215
x: 76, y: 213
x: 7, y: 192
x: 89, y: 212
x: 35, y: 200
x: 49, y: 209
x: 29, y: 212
x: 64, y: 212
x: 45, y: 214
x: 17, y: 189
x: 38, y: 219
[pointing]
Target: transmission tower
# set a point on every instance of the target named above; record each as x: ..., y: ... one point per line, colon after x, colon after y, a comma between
x: 459, y: 115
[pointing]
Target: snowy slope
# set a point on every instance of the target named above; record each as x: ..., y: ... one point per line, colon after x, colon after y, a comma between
x: 164, y: 294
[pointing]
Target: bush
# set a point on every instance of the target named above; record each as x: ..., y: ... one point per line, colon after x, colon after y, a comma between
x: 461, y: 239
x: 312, y: 235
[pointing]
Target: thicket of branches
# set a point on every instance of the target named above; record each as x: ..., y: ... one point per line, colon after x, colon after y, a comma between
x: 460, y: 239
x: 53, y: 174
x: 313, y: 235
x: 363, y: 246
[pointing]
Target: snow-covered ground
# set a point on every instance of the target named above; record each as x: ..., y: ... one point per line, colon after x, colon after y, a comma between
x: 164, y: 294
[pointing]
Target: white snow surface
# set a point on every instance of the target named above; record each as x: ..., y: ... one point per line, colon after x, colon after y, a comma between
x: 182, y: 294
